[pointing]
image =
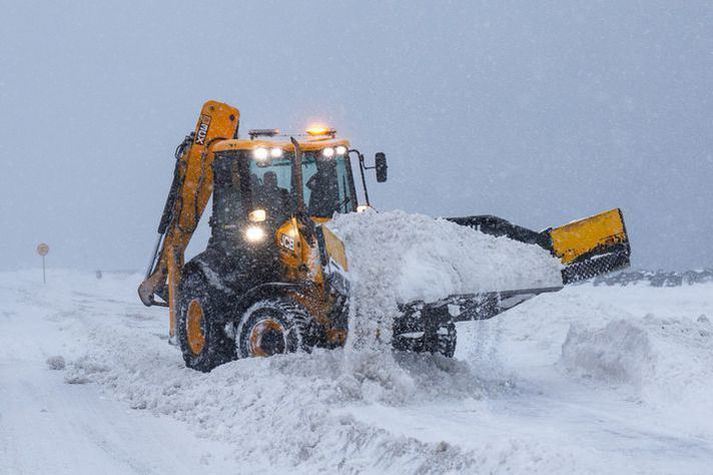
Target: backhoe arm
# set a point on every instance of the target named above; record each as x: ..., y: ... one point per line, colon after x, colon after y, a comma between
x: 190, y: 190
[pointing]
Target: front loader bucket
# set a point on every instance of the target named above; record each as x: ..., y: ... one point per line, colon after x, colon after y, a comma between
x: 591, y: 246
x: 587, y: 248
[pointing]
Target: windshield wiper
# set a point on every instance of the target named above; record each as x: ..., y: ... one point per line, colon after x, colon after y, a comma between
x: 343, y: 203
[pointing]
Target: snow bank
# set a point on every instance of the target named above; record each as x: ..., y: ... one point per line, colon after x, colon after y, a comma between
x: 619, y: 352
x: 668, y: 360
x: 683, y: 372
x: 56, y: 362
x: 282, y: 409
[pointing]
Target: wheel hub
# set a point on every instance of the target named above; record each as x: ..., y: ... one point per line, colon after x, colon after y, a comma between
x: 267, y: 338
x: 194, y: 327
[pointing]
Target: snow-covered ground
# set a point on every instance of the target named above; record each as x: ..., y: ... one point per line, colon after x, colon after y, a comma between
x: 587, y: 380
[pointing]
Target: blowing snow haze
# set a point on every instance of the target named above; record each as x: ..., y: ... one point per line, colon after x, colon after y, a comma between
x: 539, y: 113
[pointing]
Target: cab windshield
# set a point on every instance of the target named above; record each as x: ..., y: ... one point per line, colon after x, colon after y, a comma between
x: 327, y: 185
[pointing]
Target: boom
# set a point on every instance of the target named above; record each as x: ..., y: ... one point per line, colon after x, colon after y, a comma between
x: 190, y: 190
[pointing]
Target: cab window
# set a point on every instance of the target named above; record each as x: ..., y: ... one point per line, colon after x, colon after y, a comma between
x: 326, y: 185
x: 271, y: 186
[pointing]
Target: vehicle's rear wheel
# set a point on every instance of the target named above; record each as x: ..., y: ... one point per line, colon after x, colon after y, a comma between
x: 199, y: 324
x: 273, y: 326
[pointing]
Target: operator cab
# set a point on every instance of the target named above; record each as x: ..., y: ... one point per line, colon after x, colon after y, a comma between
x: 259, y: 184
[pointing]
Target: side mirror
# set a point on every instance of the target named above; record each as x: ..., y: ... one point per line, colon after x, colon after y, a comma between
x: 381, y: 167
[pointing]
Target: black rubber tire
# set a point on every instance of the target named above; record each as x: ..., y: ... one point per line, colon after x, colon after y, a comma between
x: 290, y: 315
x: 219, y: 347
x: 445, y: 344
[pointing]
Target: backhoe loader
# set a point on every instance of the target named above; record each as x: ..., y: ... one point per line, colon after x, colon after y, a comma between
x: 275, y: 279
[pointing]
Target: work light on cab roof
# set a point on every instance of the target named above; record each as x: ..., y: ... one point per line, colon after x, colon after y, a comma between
x: 321, y: 131
x: 328, y: 152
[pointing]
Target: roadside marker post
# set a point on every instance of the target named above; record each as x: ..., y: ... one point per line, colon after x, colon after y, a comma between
x: 42, y: 250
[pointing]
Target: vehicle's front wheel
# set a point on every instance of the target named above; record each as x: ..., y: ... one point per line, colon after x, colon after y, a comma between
x: 199, y: 326
x: 272, y: 326
x: 410, y: 335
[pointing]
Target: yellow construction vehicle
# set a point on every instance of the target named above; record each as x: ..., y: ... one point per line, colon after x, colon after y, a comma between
x: 274, y: 278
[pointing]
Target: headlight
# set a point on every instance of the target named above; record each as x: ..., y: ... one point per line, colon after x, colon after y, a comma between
x: 328, y: 152
x: 254, y: 234
x: 260, y: 153
x: 276, y: 152
x: 341, y: 150
x: 257, y: 215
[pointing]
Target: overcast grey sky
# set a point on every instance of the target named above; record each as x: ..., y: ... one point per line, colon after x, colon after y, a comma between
x: 539, y: 112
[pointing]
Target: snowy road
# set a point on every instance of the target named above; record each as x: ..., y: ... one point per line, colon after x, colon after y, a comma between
x: 49, y: 426
x: 590, y: 380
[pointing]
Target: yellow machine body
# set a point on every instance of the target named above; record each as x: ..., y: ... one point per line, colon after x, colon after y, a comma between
x: 588, y: 235
x: 303, y: 260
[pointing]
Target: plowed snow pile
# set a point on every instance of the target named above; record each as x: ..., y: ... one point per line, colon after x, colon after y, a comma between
x: 619, y: 353
x: 645, y: 354
x: 397, y: 257
x: 421, y: 258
